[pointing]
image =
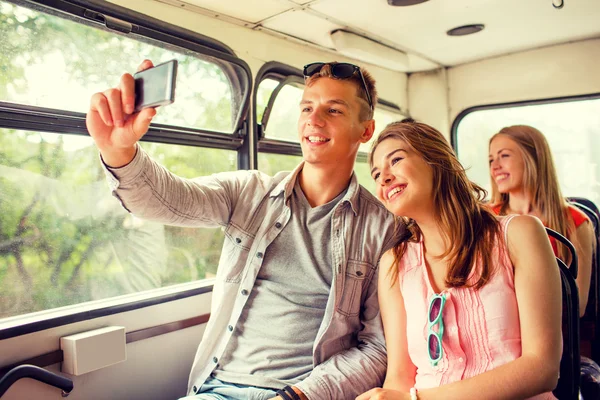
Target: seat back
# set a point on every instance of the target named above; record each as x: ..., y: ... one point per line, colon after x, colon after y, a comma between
x: 590, y: 322
x: 569, y: 380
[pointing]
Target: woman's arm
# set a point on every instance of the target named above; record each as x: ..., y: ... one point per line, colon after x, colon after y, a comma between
x: 585, y: 245
x: 400, y: 376
x: 401, y: 371
x: 538, y: 291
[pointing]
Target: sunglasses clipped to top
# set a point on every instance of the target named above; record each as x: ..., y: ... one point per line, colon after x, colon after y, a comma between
x: 339, y: 71
x: 434, y: 338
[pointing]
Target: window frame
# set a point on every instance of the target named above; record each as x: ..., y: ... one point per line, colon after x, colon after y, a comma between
x: 513, y: 104
x: 41, y: 119
x: 280, y: 72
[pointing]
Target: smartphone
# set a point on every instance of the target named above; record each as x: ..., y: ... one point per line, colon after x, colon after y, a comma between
x: 155, y: 86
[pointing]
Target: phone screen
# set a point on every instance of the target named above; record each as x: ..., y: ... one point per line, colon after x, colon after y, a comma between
x: 155, y: 86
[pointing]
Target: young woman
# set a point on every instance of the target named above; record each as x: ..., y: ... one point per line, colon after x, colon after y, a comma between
x: 524, y: 182
x: 471, y: 302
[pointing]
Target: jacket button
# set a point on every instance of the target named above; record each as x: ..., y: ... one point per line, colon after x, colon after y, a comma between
x: 278, y: 225
x: 244, y: 292
x: 230, y: 328
x: 259, y: 255
x: 238, y: 240
x: 358, y: 273
x: 195, y: 389
x: 215, y: 359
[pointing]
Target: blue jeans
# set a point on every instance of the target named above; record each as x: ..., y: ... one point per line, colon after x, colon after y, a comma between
x: 214, y: 389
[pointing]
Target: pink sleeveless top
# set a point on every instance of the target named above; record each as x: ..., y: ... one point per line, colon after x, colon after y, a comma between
x: 481, y: 328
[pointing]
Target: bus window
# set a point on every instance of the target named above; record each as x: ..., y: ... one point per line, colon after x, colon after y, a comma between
x: 571, y: 128
x: 64, y: 239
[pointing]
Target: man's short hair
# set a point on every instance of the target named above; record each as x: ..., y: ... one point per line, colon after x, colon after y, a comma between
x: 366, y: 113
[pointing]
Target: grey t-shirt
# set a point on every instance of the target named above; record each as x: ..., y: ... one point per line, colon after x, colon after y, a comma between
x: 273, y: 342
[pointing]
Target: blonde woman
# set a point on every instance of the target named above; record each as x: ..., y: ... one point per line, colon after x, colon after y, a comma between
x: 524, y: 181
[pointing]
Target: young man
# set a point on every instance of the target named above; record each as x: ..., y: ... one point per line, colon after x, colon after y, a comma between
x: 294, y: 310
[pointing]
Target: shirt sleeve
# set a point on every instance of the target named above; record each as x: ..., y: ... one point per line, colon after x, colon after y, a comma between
x: 578, y: 216
x: 148, y: 190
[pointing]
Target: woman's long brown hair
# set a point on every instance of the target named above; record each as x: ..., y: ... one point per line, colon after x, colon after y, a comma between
x: 468, y: 225
x: 540, y: 182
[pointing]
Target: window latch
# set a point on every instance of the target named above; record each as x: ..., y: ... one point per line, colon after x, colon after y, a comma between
x: 110, y: 22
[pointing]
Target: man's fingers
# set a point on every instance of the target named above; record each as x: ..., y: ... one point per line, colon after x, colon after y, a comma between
x: 364, y: 396
x: 113, y: 96
x: 141, y: 122
x: 99, y: 104
x: 127, y: 86
x: 146, y: 64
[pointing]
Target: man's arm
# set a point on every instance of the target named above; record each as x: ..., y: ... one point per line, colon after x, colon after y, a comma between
x: 144, y: 187
x: 150, y: 191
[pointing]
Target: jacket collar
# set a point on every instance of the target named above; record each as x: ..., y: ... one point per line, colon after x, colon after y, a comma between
x: 286, y: 186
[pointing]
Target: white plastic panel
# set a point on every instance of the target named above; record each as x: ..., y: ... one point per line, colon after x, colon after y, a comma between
x: 89, y: 351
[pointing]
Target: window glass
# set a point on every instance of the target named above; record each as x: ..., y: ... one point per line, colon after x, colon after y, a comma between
x: 64, y: 239
x: 571, y: 129
x: 382, y: 117
x: 55, y: 62
x: 270, y: 164
x: 283, y: 120
x: 363, y: 174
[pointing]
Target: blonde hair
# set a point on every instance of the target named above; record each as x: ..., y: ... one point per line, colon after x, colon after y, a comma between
x: 540, y: 182
x: 469, y: 226
x: 366, y: 113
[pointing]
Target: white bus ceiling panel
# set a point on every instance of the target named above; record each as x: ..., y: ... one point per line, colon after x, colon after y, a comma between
x: 252, y: 11
x: 257, y: 47
x: 557, y: 71
x: 510, y: 25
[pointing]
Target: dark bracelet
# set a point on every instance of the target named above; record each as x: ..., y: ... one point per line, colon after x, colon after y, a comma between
x: 281, y: 393
x: 292, y: 393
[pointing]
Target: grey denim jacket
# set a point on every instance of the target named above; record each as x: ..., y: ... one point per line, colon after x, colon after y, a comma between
x: 349, y: 354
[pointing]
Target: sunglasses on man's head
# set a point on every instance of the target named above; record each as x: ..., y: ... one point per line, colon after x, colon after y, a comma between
x: 339, y: 71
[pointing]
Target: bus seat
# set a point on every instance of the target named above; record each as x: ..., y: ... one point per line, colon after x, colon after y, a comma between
x: 590, y: 322
x: 569, y: 380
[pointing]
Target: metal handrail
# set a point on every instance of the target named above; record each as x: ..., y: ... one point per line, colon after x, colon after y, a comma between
x: 37, y: 373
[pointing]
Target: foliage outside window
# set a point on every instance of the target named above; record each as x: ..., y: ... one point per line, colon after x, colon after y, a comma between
x: 270, y: 164
x: 58, y: 63
x: 63, y: 238
x: 571, y: 129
